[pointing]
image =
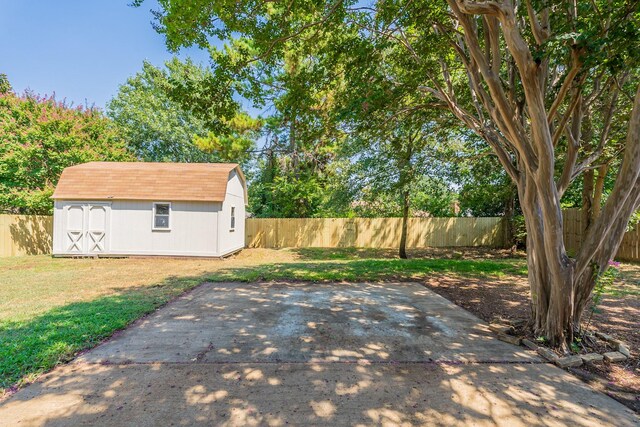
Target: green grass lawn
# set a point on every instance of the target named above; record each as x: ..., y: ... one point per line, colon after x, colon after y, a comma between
x: 52, y: 308
x: 368, y: 270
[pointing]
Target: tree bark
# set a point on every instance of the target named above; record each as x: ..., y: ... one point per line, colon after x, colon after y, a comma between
x: 550, y: 275
x: 405, y: 219
x: 561, y: 287
x: 597, y: 191
x: 587, y: 201
x: 406, y: 175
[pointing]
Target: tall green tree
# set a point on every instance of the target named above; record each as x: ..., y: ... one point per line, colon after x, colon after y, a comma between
x: 399, y: 144
x: 40, y: 137
x: 398, y: 162
x: 182, y: 113
x: 294, y: 168
x: 237, y: 141
x: 156, y: 126
x: 485, y: 189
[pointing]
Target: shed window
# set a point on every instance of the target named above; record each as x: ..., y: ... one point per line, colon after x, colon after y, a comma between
x: 233, y: 218
x: 161, y: 216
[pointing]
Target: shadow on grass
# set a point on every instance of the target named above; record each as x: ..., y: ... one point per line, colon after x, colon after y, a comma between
x: 468, y: 253
x: 369, y: 269
x: 326, y: 254
x: 29, y: 348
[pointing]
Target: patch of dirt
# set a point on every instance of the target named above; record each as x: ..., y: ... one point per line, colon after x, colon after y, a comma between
x: 617, y: 315
x: 506, y: 298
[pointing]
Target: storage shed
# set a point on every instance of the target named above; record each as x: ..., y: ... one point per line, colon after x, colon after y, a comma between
x: 175, y: 209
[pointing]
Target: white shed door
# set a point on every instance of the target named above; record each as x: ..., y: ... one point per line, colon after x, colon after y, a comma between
x: 86, y: 228
x: 96, y: 228
x: 74, y: 230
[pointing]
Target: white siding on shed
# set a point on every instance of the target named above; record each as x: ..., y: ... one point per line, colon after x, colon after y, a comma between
x: 130, y: 229
x: 231, y: 241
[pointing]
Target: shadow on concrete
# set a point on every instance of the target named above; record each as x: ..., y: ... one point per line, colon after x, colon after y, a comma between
x: 316, y: 394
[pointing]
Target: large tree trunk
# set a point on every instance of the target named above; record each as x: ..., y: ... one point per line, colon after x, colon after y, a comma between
x: 598, y: 190
x: 551, y: 271
x: 561, y: 286
x: 587, y: 200
x: 405, y: 218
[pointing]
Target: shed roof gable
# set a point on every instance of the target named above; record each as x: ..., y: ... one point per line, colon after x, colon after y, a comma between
x: 205, y: 182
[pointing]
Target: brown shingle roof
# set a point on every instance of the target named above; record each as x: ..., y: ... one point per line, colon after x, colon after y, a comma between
x: 146, y: 181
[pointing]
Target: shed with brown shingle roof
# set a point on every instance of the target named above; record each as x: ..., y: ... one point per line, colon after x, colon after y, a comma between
x: 145, y: 181
x: 141, y: 208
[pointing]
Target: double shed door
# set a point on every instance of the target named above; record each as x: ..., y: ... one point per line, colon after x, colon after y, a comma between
x: 87, y: 228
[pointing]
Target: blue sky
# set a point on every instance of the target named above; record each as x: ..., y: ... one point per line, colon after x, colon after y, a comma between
x: 79, y: 49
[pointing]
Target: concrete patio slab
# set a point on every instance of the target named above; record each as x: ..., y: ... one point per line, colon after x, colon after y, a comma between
x: 309, y: 322
x: 310, y: 354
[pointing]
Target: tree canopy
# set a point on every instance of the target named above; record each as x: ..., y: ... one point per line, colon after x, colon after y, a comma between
x: 182, y: 113
x: 40, y: 137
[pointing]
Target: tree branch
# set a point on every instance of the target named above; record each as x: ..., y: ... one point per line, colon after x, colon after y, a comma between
x: 510, y: 127
x: 622, y: 201
x: 490, y: 8
x: 540, y: 33
x: 577, y: 98
x: 567, y: 84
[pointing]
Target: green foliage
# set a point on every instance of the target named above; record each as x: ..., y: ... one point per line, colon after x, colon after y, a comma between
x: 485, y: 188
x: 519, y: 231
x: 324, y: 67
x: 155, y: 126
x: 397, y: 160
x: 182, y: 113
x: 634, y: 221
x: 235, y: 144
x: 40, y: 137
x: 343, y: 105
x: 5, y: 85
x: 434, y: 197
x: 281, y: 192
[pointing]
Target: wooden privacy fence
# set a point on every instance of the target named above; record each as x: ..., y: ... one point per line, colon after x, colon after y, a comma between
x: 373, y: 232
x: 31, y: 234
x: 573, y: 225
x: 25, y: 234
